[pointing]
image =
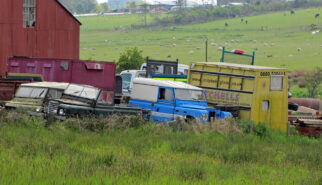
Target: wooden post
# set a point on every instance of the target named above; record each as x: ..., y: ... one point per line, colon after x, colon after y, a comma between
x: 251, y: 127
x: 288, y: 128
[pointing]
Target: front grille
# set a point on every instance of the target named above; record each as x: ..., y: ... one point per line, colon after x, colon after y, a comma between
x: 52, y: 106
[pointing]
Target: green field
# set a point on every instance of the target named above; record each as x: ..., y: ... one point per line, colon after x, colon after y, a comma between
x: 126, y: 152
x: 277, y: 45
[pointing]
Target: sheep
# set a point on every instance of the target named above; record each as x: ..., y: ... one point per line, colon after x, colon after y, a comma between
x: 226, y: 24
x: 191, y: 52
x: 213, y: 44
x: 272, y: 44
x: 219, y: 48
x: 299, y: 49
x: 254, y: 41
x: 198, y: 48
x: 174, y: 45
x: 317, y: 15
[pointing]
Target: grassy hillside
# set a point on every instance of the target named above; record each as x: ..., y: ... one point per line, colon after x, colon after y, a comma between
x: 274, y: 37
x: 103, y: 152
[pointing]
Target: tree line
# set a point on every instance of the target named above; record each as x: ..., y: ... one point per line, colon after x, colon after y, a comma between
x: 84, y: 6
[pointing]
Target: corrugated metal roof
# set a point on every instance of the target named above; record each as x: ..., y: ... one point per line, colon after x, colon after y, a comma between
x: 55, y: 85
x: 237, y: 65
x: 164, y: 83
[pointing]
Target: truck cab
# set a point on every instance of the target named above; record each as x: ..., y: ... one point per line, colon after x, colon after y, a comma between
x: 34, y: 97
x: 127, y: 79
x: 85, y: 100
x: 168, y: 100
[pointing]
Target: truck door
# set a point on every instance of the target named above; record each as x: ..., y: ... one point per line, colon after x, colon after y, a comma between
x: 163, y: 109
x: 104, y: 105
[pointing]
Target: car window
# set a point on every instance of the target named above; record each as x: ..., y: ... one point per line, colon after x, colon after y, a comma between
x: 31, y: 92
x: 165, y: 94
x: 82, y: 91
x: 54, y: 94
x: 126, y: 80
x: 106, y: 97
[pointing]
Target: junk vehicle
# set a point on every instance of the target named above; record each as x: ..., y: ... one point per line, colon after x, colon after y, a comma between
x: 168, y: 100
x: 84, y: 100
x: 307, y: 118
x: 156, y: 69
x: 34, y: 97
x: 249, y: 92
x: 127, y: 79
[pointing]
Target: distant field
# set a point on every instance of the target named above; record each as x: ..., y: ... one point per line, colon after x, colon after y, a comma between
x: 275, y: 38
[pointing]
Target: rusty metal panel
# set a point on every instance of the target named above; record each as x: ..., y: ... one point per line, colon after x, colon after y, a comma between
x: 101, y: 74
x: 97, y: 74
x: 8, y: 88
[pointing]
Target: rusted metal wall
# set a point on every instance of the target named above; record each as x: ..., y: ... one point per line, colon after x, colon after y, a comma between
x: 55, y: 35
x: 97, y: 74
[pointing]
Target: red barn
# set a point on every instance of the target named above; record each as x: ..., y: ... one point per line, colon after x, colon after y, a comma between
x: 37, y: 28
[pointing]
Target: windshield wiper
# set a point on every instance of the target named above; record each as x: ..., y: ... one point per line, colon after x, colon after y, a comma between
x: 42, y: 92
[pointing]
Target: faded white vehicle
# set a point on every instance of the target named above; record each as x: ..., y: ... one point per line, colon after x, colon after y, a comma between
x: 34, y: 97
x: 127, y: 79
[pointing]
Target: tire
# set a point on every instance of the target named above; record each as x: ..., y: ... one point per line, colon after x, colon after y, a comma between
x: 293, y: 106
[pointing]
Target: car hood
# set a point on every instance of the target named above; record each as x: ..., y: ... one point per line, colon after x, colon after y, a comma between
x: 73, y: 102
x: 24, y: 102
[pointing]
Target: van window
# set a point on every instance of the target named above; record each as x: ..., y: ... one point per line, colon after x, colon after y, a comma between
x: 54, y: 94
x: 106, y: 97
x: 277, y: 83
x: 126, y: 80
x: 165, y: 94
x: 265, y: 105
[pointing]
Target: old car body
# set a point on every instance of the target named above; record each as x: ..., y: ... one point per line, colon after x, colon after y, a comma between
x: 34, y: 97
x: 170, y: 99
x: 84, y: 100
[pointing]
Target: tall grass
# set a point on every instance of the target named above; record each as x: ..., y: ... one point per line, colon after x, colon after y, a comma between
x: 72, y: 152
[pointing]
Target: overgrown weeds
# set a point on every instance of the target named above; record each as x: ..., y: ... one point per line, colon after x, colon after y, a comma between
x: 104, y: 152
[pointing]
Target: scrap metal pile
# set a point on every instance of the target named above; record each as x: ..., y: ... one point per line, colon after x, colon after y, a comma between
x: 307, y: 118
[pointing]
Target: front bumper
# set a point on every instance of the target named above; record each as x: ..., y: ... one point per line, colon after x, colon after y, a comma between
x: 61, y: 118
x: 38, y: 114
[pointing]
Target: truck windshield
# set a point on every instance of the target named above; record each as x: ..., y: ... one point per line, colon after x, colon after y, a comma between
x: 31, y: 92
x: 126, y: 80
x: 82, y: 91
x: 188, y: 94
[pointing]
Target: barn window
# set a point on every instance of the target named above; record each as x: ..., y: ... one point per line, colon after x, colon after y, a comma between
x: 29, y: 13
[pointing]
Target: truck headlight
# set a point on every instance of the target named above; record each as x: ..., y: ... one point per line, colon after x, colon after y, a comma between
x: 38, y: 109
x: 61, y: 112
x: 204, y: 116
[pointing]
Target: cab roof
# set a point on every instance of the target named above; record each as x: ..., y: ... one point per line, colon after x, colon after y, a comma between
x: 54, y: 85
x: 164, y: 83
